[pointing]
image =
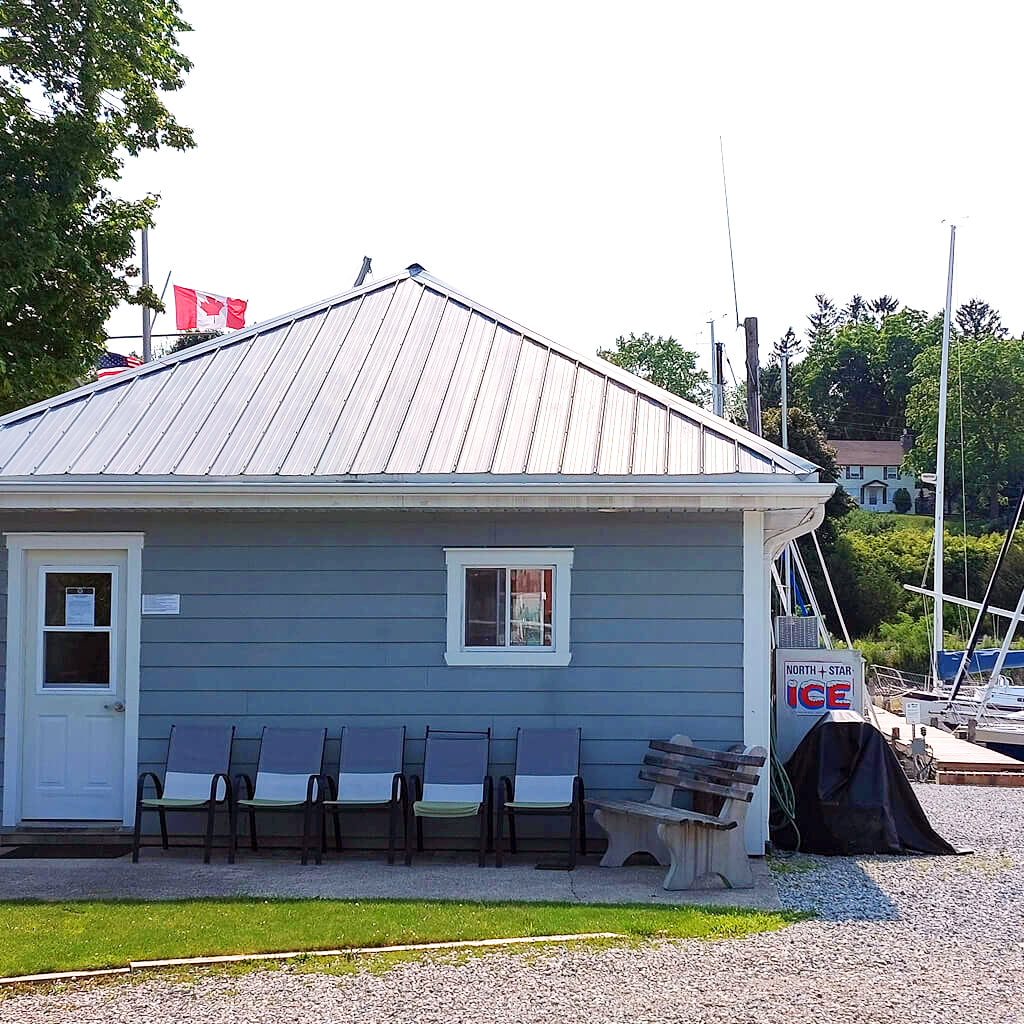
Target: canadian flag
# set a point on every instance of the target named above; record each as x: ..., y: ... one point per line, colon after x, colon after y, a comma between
x: 196, y: 309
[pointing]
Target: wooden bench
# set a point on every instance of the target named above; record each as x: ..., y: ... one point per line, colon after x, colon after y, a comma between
x: 703, y: 847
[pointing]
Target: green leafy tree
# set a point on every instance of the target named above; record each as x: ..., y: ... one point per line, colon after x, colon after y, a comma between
x: 664, y: 362
x: 80, y: 89
x: 901, y: 501
x: 188, y: 339
x: 855, y: 380
x: 991, y: 374
x: 806, y: 439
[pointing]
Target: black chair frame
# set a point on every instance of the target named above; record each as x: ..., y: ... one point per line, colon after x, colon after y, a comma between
x: 311, y: 815
x: 576, y: 812
x: 398, y: 808
x: 209, y: 806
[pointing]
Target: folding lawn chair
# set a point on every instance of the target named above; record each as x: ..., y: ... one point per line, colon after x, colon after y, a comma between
x: 369, y: 775
x: 455, y: 784
x: 196, y: 778
x: 288, y: 778
x: 547, y: 781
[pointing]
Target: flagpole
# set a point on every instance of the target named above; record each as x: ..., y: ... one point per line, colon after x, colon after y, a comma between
x: 147, y: 338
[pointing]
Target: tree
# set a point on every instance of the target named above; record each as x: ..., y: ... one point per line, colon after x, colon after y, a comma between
x: 991, y: 373
x: 79, y: 89
x: 901, y: 501
x: 883, y: 306
x: 807, y: 440
x: 977, y: 319
x: 825, y: 320
x: 856, y: 310
x: 664, y: 362
x: 855, y: 380
x: 188, y: 339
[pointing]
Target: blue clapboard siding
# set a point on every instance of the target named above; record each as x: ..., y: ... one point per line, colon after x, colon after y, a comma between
x: 307, y: 619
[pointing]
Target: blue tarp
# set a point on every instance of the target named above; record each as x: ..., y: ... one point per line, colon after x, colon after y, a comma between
x: 982, y: 661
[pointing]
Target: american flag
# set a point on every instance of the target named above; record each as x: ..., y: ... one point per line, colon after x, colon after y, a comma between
x: 113, y: 362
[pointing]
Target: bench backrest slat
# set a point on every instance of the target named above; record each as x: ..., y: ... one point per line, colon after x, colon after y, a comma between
x: 721, y: 756
x: 684, y: 780
x: 710, y: 771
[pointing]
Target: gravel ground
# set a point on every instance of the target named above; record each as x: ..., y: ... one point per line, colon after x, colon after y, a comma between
x: 901, y: 940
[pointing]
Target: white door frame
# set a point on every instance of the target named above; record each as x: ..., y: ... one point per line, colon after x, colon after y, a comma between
x: 129, y: 544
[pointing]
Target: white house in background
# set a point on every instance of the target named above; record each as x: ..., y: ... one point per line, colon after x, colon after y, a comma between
x: 871, y: 474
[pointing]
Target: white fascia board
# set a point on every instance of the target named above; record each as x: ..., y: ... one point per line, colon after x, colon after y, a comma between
x: 711, y: 495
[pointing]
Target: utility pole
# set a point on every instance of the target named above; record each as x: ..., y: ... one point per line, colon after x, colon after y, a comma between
x: 147, y: 329
x: 363, y: 271
x: 786, y: 346
x: 753, y: 377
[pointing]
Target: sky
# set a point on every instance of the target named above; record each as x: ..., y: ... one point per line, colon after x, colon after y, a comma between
x: 560, y: 162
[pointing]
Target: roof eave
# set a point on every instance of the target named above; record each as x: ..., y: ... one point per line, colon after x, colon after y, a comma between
x: 74, y: 495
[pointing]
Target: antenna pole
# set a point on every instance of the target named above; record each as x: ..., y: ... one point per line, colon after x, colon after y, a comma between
x: 728, y: 226
x: 147, y: 329
x: 938, y: 641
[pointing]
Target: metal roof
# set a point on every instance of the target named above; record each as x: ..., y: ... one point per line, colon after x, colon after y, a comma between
x: 404, y: 377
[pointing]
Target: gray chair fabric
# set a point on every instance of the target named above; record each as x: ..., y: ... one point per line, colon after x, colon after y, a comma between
x: 547, y: 762
x: 370, y: 759
x: 454, y: 766
x: 195, y: 753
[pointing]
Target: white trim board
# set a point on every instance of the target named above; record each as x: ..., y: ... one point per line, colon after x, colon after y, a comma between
x: 14, y: 704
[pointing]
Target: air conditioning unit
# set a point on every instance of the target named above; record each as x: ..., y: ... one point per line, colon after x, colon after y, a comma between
x: 793, y: 631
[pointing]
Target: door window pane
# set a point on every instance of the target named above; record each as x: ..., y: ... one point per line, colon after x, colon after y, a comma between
x: 530, y: 618
x: 76, y: 659
x: 485, y: 607
x: 71, y: 590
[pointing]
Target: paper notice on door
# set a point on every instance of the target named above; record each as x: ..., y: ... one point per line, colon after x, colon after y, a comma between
x: 161, y: 604
x: 80, y: 606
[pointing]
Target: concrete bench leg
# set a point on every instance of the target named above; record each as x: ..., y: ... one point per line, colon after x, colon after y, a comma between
x: 704, y: 858
x: 629, y: 834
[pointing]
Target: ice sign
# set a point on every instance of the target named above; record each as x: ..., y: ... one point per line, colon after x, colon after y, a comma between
x: 814, y: 687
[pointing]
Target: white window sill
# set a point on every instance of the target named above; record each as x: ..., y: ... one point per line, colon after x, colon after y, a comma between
x: 542, y: 659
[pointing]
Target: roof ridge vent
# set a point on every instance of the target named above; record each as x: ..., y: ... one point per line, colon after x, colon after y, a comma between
x: 416, y: 268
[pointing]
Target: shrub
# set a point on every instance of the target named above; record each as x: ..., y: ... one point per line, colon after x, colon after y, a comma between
x: 901, y: 501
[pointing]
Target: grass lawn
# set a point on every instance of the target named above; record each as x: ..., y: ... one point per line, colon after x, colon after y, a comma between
x: 37, y: 937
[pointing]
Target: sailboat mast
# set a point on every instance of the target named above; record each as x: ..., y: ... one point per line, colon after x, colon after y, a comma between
x: 938, y: 641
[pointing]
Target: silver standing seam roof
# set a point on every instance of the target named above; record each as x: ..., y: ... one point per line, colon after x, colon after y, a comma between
x: 403, y: 377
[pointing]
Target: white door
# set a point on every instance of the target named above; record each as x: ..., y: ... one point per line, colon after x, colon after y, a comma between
x: 74, y: 686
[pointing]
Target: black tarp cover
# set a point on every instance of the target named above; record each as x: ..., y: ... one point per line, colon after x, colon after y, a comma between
x: 852, y: 795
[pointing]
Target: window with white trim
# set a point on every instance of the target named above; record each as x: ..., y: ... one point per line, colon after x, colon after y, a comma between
x: 854, y: 472
x: 892, y: 472
x: 508, y: 606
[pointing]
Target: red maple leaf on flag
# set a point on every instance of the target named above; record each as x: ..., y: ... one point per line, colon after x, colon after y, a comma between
x: 210, y: 306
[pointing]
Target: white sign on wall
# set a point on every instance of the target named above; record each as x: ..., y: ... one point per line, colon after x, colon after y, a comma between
x: 161, y: 604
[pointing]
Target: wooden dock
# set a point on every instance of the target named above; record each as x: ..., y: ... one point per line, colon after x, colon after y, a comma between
x: 957, y: 762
